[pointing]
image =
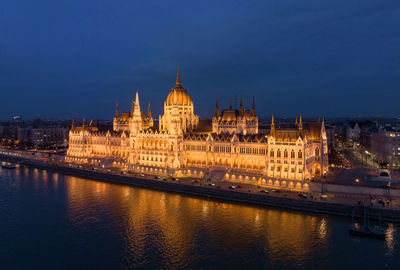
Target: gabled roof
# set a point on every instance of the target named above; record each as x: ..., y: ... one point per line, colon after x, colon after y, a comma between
x: 313, y: 130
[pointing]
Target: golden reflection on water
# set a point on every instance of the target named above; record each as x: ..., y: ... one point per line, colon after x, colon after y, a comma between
x: 174, y: 220
x: 322, y: 229
x: 175, y: 225
x: 389, y: 239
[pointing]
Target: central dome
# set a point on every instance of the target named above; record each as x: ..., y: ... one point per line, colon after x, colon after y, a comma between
x: 182, y: 97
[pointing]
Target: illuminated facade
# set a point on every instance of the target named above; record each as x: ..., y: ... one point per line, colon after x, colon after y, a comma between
x: 234, y: 150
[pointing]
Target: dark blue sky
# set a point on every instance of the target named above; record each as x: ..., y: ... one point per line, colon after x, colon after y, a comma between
x: 63, y: 59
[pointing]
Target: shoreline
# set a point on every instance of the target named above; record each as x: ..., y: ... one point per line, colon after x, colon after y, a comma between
x: 236, y: 196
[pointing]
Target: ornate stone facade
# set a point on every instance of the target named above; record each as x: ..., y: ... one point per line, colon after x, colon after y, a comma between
x: 234, y: 150
x: 235, y: 121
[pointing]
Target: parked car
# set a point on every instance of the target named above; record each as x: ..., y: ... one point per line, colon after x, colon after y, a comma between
x: 263, y: 191
x: 232, y: 187
x: 303, y: 196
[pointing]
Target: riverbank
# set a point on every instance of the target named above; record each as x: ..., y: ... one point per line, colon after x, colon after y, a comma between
x: 213, y: 192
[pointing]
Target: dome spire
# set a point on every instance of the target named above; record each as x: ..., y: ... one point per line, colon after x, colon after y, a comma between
x: 178, y: 77
x: 230, y: 104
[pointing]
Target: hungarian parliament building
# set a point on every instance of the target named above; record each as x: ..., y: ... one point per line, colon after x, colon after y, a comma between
x: 228, y: 148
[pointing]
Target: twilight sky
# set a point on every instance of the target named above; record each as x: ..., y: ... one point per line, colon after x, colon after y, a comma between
x: 64, y: 59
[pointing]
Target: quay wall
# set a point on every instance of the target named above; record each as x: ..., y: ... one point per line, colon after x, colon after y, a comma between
x: 242, y: 196
x: 353, y: 190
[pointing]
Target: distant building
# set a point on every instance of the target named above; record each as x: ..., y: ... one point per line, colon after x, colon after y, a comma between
x: 36, y: 133
x: 49, y: 137
x: 353, y: 132
x: 385, y: 146
x: 330, y: 134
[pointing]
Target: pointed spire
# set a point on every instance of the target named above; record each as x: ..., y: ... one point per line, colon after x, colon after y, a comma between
x: 272, y: 132
x: 216, y: 113
x: 178, y: 77
x: 149, y: 112
x: 73, y: 123
x: 296, y: 122
x: 137, y: 105
x: 137, y: 97
x: 117, y: 111
x: 253, y: 109
x: 300, y: 124
x: 230, y: 104
x: 83, y: 122
x: 241, y: 103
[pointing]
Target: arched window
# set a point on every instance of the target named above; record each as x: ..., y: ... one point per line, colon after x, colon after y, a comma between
x: 278, y: 153
x: 317, y: 151
x: 271, y: 153
x: 300, y: 154
x: 285, y: 153
x: 292, y: 155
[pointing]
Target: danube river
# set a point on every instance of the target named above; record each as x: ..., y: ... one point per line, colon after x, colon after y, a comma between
x: 52, y: 221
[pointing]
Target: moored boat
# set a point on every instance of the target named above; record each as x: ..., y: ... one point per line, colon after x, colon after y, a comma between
x: 365, y: 229
x: 8, y: 166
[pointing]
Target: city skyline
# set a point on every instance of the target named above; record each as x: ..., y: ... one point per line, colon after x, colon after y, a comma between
x: 333, y: 59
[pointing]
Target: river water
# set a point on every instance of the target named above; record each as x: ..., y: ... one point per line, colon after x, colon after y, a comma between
x: 53, y: 221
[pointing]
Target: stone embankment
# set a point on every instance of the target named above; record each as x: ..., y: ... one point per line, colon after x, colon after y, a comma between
x: 240, y: 196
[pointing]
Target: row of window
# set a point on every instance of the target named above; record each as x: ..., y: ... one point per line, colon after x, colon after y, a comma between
x: 286, y: 169
x: 251, y: 150
x: 226, y: 149
x: 285, y: 154
x: 286, y: 162
x: 195, y: 147
x: 147, y: 158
